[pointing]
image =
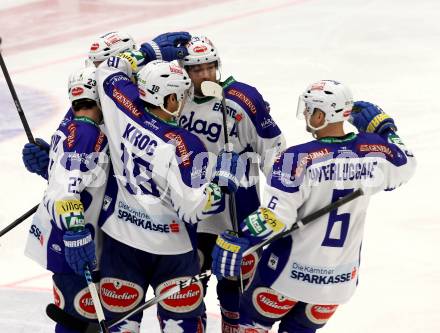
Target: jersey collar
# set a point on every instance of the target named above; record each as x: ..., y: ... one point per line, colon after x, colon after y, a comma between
x: 169, y: 122
x: 332, y: 139
x: 86, y: 120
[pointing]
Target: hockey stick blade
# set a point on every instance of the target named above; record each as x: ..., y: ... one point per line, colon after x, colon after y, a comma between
x: 212, y: 89
x: 307, y: 219
x: 60, y: 316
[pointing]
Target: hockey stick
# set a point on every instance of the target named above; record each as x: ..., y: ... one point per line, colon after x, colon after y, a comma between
x: 62, y: 317
x: 307, y: 219
x: 15, y: 98
x: 213, y: 89
x: 18, y: 221
x: 96, y: 301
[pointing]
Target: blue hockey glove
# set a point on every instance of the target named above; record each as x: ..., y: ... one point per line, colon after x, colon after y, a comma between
x: 367, y: 117
x: 36, y: 157
x: 227, y: 254
x: 79, y: 250
x: 168, y: 46
x: 226, y: 170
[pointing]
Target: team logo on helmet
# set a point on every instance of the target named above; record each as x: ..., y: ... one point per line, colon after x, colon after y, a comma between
x: 77, y: 91
x: 318, y: 86
x: 94, y: 47
x: 175, y: 69
x: 200, y: 49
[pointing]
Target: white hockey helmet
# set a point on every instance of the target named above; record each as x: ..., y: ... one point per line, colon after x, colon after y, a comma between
x: 159, y: 79
x: 109, y: 45
x: 82, y: 85
x: 331, y: 97
x: 200, y: 51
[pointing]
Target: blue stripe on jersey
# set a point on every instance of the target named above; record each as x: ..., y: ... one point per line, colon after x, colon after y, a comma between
x: 290, y: 167
x: 82, y: 141
x: 190, y: 150
x: 253, y: 103
x: 109, y: 202
x: 274, y: 259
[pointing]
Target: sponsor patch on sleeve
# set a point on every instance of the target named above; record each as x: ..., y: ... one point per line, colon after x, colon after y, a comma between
x: 242, y: 97
x: 70, y: 212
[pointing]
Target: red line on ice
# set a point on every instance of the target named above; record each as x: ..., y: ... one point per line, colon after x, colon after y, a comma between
x: 32, y: 278
x: 48, y: 22
x: 206, y: 24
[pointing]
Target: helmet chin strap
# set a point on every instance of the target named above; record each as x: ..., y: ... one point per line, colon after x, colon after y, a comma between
x: 176, y: 113
x: 218, y: 74
x: 314, y: 129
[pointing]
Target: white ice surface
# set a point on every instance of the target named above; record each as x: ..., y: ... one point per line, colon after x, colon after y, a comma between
x: 387, y: 51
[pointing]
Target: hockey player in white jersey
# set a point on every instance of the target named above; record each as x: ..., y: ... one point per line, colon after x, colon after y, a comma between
x: 254, y: 135
x: 301, y: 279
x: 64, y: 229
x: 166, y: 46
x: 159, y: 191
x: 35, y: 156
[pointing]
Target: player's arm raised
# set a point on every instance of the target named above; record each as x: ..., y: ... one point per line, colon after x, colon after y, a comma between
x: 398, y: 163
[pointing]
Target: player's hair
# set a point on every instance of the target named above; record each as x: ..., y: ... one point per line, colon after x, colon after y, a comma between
x: 84, y: 103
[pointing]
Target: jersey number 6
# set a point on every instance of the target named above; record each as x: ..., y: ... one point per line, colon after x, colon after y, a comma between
x: 334, y: 218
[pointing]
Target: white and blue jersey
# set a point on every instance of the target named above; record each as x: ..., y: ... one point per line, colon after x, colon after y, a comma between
x: 159, y: 188
x: 78, y: 169
x: 319, y: 263
x: 253, y: 133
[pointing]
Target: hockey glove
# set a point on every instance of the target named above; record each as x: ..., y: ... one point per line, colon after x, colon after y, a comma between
x: 79, y: 250
x: 227, y: 167
x: 168, y: 46
x: 36, y: 157
x: 227, y: 254
x: 261, y: 225
x: 367, y: 117
x: 135, y: 58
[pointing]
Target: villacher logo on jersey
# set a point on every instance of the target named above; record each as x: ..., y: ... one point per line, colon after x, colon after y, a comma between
x: 185, y: 300
x: 119, y: 295
x: 83, y: 304
x: 270, y: 303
